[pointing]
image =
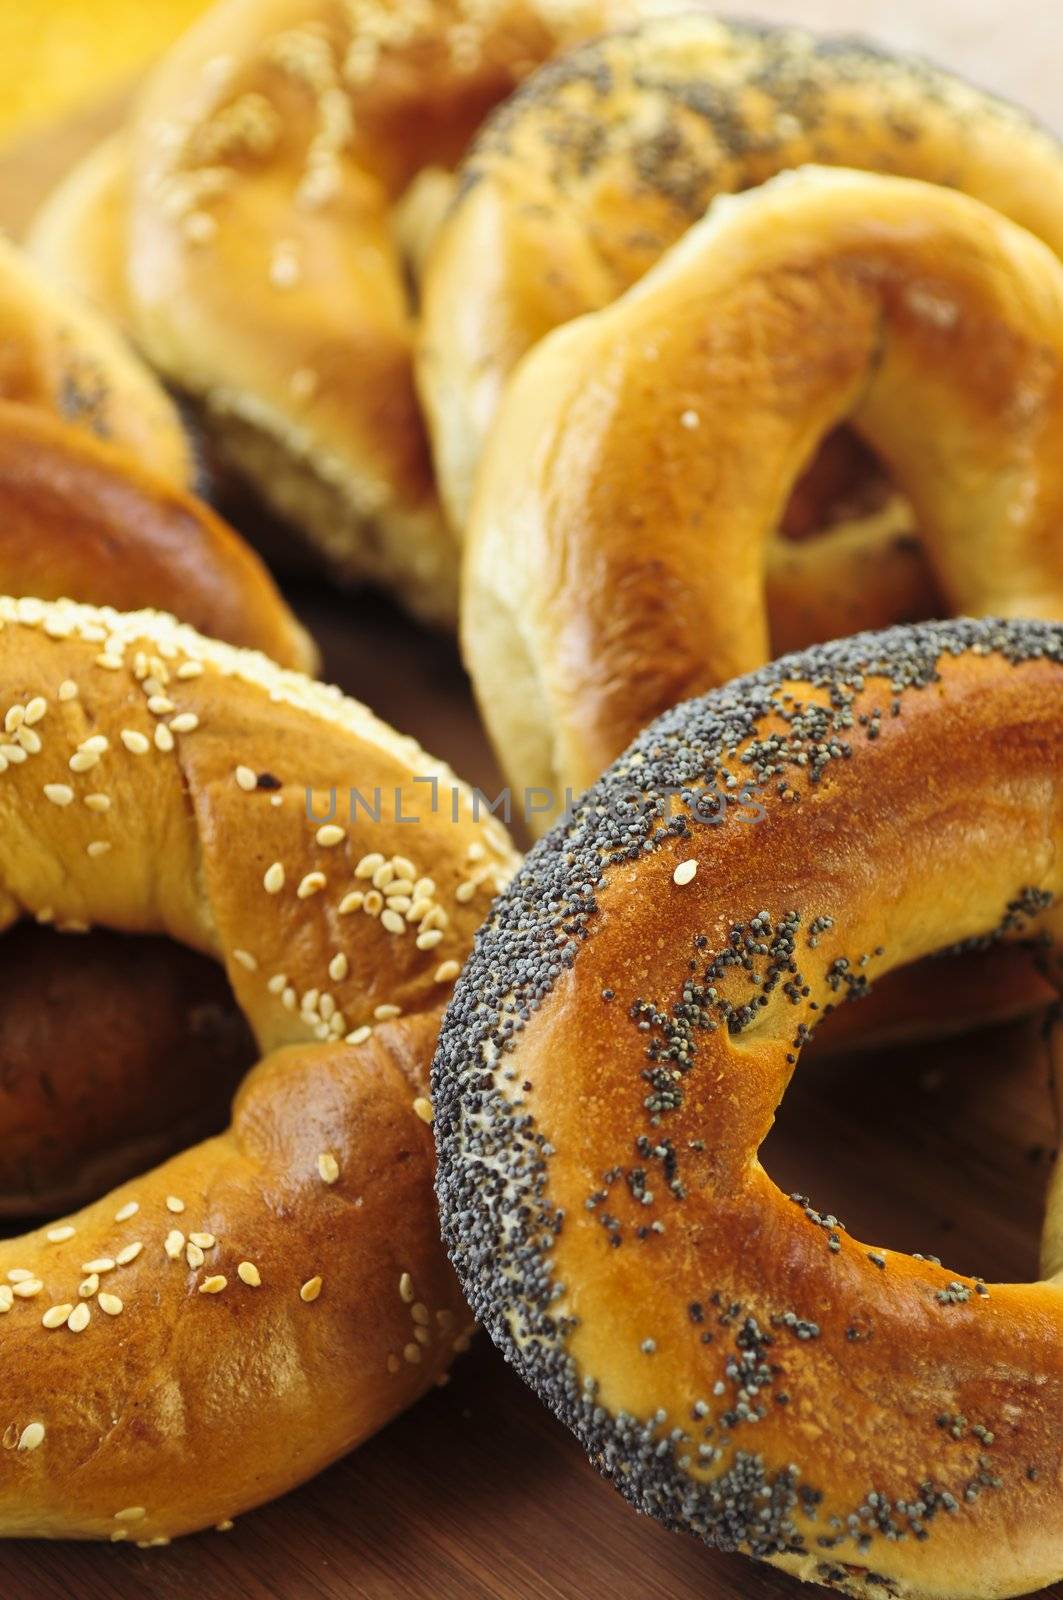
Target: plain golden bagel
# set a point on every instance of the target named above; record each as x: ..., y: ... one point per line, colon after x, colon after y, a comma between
x: 217, y: 1330
x: 269, y: 159
x: 63, y: 358
x: 735, y: 1361
x: 81, y: 519
x: 580, y: 182
x: 78, y: 236
x: 618, y: 543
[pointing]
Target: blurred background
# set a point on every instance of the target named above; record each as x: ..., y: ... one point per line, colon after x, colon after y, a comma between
x: 60, y: 59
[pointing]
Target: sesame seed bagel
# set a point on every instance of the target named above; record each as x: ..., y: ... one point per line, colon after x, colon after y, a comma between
x: 269, y: 157
x: 222, y: 1327
x: 735, y: 1361
x: 61, y: 357
x: 81, y: 518
x: 643, y: 454
x: 602, y: 160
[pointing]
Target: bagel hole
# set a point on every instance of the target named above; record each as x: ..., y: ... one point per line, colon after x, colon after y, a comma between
x: 942, y: 1147
x: 115, y: 1052
x: 844, y: 481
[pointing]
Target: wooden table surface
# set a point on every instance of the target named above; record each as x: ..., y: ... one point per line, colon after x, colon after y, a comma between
x: 477, y: 1494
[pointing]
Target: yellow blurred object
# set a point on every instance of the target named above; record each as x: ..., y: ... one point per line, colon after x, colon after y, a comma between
x: 57, y: 56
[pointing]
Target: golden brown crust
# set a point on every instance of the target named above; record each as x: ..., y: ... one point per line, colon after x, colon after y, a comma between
x: 60, y: 357
x: 162, y: 788
x: 78, y: 235
x: 269, y: 152
x: 114, y: 1053
x: 731, y: 1357
x: 617, y: 547
x: 602, y: 161
x: 82, y: 520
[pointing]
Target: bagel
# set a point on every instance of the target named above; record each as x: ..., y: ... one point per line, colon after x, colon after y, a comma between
x: 114, y: 1053
x: 580, y: 182
x: 61, y: 357
x: 736, y: 1363
x: 81, y: 519
x: 78, y: 235
x: 269, y: 155
x: 616, y: 550
x: 217, y: 1330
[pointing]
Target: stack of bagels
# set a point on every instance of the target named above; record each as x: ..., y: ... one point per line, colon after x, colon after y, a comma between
x: 660, y: 358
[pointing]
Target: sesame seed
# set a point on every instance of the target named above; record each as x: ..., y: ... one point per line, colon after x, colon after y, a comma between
x: 130, y: 1209
x: 248, y: 1273
x: 351, y: 902
x: 60, y: 1234
x: 685, y: 872
x: 328, y: 1167
x: 129, y: 1253
x: 79, y: 1318
x: 213, y: 1285
x: 406, y: 1288
x: 412, y: 1353
x: 310, y: 1290
x: 368, y: 865
x: 246, y: 959
x: 68, y: 690
x: 29, y: 740
x: 187, y: 722
x: 159, y: 706
x: 419, y: 1313
x: 194, y: 1255
x: 163, y: 739
x: 338, y: 967
x: 465, y: 891
x: 690, y: 419
x: 360, y: 1035
x: 135, y: 742
x: 6, y: 1298
x: 423, y: 1108
x: 422, y: 1336
x: 60, y: 794
x: 373, y: 903
x: 83, y: 761
x: 32, y: 1435
x: 98, y: 802
x: 429, y: 940
x: 205, y: 1241
x: 278, y: 983
x: 313, y: 883
x: 273, y: 882
x: 19, y: 1275
x: 330, y: 835
x: 447, y: 971
x: 224, y: 1527
x: 246, y: 779
x: 174, y: 1204
x: 88, y: 1286
x: 174, y: 1244
x: 27, y: 1288
x: 109, y: 1303
x: 386, y: 1012
x: 101, y: 1264
x: 130, y: 1514
x: 109, y: 662
x: 190, y: 669
x: 56, y: 1316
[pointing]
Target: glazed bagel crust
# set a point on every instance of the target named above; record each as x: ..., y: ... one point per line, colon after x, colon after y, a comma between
x: 580, y: 182
x: 82, y: 519
x: 62, y: 358
x: 264, y: 274
x: 212, y: 1349
x: 643, y: 454
x: 736, y: 1362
